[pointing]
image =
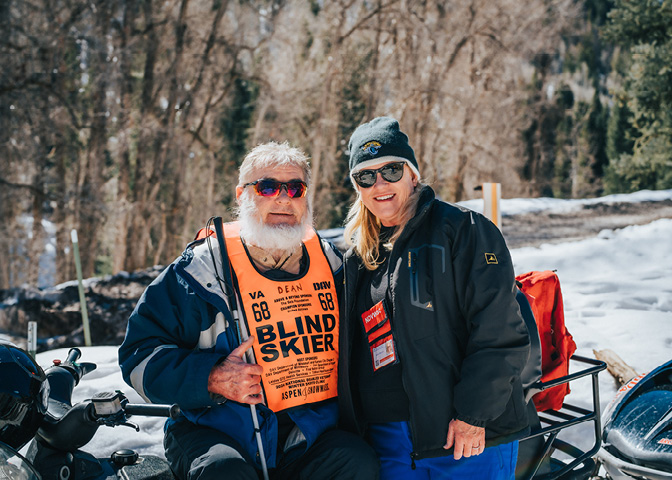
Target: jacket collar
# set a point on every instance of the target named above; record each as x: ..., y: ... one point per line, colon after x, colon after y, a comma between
x: 425, y: 201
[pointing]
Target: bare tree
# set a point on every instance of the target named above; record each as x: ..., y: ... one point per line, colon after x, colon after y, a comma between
x: 128, y: 120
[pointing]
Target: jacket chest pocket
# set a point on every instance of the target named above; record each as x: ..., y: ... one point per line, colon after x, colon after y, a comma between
x: 422, y: 265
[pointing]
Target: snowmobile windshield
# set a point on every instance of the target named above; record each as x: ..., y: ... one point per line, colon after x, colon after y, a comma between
x: 13, y: 466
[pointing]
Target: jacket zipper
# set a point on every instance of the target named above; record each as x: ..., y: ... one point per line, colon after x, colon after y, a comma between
x: 411, y: 416
x: 346, y: 313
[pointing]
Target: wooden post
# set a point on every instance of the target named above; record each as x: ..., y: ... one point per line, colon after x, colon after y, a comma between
x: 32, y: 339
x: 80, y: 282
x: 492, y: 193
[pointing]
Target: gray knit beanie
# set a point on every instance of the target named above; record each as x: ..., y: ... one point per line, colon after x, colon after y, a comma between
x: 378, y: 141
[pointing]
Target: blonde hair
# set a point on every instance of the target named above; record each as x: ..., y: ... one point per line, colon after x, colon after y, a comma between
x: 362, y: 228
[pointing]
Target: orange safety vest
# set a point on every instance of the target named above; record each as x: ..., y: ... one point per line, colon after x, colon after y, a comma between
x: 295, y: 324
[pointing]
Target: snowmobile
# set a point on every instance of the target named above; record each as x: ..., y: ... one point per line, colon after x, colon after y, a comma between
x: 36, y: 407
x: 544, y: 456
x: 635, y: 441
x: 637, y: 435
x: 546, y: 378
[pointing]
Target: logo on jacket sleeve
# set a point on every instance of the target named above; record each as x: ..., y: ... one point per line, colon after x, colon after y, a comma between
x: 491, y: 259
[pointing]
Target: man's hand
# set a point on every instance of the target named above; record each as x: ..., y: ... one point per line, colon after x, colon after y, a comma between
x: 235, y: 379
x: 468, y: 439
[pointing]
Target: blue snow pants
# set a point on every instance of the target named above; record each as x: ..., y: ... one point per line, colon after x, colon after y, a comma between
x: 392, y: 443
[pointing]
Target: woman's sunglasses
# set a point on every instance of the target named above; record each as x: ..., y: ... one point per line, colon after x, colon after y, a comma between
x: 392, y: 172
x: 271, y: 188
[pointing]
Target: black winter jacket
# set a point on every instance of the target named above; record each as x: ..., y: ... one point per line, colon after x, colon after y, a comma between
x: 460, y: 337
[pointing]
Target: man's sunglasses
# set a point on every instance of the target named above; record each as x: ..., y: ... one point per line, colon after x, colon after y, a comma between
x: 270, y: 188
x: 392, y: 172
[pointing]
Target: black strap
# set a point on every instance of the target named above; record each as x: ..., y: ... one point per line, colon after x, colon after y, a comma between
x: 229, y: 291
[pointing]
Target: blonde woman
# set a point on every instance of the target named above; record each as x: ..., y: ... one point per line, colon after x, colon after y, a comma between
x: 432, y: 342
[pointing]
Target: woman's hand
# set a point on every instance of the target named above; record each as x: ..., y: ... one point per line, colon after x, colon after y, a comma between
x: 467, y: 439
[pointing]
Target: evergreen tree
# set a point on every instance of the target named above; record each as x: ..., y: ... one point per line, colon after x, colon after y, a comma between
x: 620, y: 132
x: 596, y: 131
x: 644, y: 28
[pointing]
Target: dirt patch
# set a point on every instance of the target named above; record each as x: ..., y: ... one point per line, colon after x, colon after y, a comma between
x: 109, y: 301
x: 534, y: 229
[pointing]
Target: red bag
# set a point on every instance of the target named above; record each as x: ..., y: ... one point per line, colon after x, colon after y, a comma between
x: 542, y: 290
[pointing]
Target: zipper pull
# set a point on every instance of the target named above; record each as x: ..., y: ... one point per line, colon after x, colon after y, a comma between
x: 412, y: 460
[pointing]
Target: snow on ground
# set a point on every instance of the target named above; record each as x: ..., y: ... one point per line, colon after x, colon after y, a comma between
x: 617, y: 290
x: 516, y: 206
x: 617, y: 293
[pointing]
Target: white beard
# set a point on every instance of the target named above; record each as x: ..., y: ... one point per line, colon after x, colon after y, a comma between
x: 269, y: 237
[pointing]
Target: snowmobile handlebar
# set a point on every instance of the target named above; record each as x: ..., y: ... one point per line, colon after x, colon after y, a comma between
x: 78, y: 370
x: 76, y: 426
x: 67, y: 427
x: 148, y: 410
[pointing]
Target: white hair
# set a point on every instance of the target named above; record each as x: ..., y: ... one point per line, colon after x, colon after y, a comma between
x: 273, y: 154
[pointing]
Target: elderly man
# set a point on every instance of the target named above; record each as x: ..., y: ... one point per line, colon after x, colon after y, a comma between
x: 267, y: 283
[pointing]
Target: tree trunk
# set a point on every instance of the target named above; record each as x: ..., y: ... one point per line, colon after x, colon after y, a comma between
x: 37, y: 242
x: 92, y: 202
x: 65, y: 266
x: 125, y: 122
x: 137, y: 238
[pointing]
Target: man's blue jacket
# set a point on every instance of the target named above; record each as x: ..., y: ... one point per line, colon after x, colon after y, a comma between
x: 180, y: 329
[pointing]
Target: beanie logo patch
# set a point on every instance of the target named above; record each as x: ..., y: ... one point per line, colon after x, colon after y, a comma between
x: 371, y: 147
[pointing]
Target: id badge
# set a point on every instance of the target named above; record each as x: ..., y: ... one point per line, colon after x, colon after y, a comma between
x: 379, y: 336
